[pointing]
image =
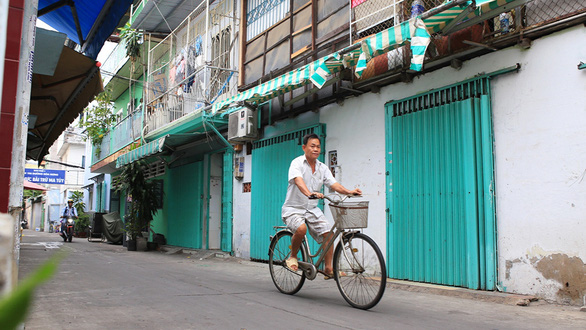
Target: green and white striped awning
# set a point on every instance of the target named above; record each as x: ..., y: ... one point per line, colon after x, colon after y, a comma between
x: 416, y: 31
x: 143, y: 151
x: 470, y: 12
x: 318, y: 71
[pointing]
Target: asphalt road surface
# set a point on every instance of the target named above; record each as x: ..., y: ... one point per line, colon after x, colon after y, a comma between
x: 103, y: 286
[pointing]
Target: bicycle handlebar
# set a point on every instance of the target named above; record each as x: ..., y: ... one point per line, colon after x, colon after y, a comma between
x: 333, y: 200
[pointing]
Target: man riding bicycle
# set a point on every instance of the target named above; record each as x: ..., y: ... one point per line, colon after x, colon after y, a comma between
x: 307, y: 175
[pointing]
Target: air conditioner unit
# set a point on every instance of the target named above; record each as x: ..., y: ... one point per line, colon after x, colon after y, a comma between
x: 242, y: 126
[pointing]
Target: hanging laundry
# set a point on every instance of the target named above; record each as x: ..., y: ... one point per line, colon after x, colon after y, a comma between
x: 180, y: 68
x: 190, y: 67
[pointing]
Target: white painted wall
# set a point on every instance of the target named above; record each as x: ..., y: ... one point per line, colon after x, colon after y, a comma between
x: 215, y: 202
x: 241, y: 209
x: 356, y: 130
x: 541, y: 162
x: 539, y: 115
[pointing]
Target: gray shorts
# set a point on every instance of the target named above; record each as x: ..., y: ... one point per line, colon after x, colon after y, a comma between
x: 317, y: 226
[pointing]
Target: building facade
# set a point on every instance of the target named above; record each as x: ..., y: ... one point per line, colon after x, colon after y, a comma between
x: 459, y: 121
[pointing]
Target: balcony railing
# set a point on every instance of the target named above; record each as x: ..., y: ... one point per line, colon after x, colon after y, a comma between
x: 370, y: 17
x: 208, y: 85
x: 194, y: 66
x: 126, y: 131
x: 102, y: 151
x: 114, y: 62
x: 122, y: 134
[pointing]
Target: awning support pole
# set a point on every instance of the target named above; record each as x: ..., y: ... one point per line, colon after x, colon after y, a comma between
x: 444, y: 7
x: 206, y: 124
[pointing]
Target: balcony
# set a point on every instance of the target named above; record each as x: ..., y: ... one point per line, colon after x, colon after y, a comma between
x: 519, y: 23
x: 193, y: 67
x: 114, y: 62
x: 122, y: 134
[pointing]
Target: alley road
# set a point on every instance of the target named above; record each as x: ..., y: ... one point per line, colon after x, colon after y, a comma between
x: 103, y: 286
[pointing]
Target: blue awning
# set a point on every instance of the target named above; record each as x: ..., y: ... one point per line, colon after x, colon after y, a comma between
x: 92, y: 21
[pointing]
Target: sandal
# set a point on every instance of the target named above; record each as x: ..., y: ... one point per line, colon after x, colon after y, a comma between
x: 331, y: 275
x: 292, y: 262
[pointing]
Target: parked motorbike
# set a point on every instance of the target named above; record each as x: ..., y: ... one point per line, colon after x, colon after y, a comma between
x: 67, y: 232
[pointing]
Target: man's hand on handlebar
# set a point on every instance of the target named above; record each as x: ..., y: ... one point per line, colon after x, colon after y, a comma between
x: 352, y: 193
x: 316, y: 195
x: 356, y: 192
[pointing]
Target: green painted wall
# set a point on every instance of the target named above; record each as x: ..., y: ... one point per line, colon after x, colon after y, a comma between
x: 121, y: 103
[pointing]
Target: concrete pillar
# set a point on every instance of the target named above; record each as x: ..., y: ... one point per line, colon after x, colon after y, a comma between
x: 7, y: 246
x: 16, y: 88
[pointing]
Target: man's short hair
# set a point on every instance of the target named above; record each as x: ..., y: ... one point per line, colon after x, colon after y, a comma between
x: 308, y: 137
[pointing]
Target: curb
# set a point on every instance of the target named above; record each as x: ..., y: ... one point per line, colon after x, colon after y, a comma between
x: 488, y: 296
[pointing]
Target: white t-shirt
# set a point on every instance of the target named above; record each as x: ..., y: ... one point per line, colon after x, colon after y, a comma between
x: 296, y: 202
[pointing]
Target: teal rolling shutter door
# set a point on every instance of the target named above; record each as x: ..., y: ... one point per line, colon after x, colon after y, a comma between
x: 184, y: 205
x: 270, y: 166
x: 441, y: 225
x: 227, y: 187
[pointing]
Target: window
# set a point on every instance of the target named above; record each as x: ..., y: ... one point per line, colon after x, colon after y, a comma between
x: 220, y: 60
x: 90, y: 205
x: 262, y: 14
x: 154, y: 170
x: 114, y: 201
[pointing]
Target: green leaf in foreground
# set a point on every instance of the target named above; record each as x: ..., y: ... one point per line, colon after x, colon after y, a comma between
x: 15, y: 305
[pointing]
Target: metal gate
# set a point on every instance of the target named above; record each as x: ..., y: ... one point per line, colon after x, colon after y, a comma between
x: 270, y: 167
x: 184, y: 205
x: 440, y: 183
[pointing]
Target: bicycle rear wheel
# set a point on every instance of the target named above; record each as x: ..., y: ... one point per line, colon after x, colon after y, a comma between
x: 285, y: 280
x: 359, y: 270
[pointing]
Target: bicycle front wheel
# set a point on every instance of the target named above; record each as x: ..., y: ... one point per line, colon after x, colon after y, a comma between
x: 359, y: 270
x: 286, y: 280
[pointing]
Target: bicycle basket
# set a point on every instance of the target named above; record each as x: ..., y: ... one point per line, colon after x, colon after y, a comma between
x: 350, y: 215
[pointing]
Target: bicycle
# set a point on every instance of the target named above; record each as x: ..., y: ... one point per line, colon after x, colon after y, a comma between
x: 359, y: 267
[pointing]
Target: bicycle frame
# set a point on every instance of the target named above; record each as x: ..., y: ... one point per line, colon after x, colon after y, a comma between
x: 358, y: 264
x: 310, y: 267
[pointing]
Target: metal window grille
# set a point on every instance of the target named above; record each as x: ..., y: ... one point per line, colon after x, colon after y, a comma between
x: 262, y: 14
x: 154, y: 170
x: 545, y: 11
x: 368, y: 17
x: 220, y: 59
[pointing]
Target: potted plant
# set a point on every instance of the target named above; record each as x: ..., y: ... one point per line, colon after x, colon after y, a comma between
x: 142, y: 195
